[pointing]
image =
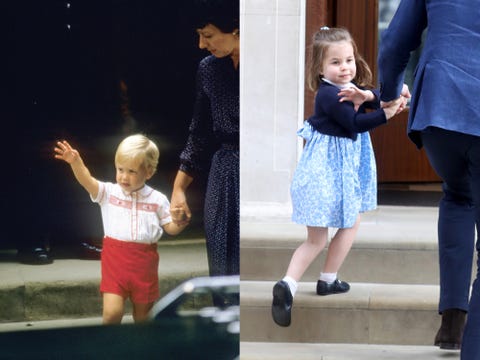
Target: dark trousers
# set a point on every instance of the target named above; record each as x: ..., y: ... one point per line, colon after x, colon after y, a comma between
x: 456, y: 159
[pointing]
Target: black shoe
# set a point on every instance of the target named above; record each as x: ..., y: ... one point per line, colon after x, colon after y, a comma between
x: 282, y: 304
x: 449, y: 336
x: 36, y: 256
x: 337, y: 287
x: 90, y: 251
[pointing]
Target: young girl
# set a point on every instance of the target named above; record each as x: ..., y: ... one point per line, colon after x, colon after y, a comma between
x: 134, y: 217
x: 336, y: 176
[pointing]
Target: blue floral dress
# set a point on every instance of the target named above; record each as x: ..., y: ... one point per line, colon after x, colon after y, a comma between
x: 334, y: 181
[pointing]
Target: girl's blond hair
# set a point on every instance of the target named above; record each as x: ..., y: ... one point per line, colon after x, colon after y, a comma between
x: 138, y: 148
x: 321, y: 40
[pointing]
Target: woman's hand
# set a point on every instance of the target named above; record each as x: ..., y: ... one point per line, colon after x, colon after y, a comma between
x: 181, y: 214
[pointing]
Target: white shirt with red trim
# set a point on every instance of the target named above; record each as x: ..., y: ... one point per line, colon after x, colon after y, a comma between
x: 136, y: 217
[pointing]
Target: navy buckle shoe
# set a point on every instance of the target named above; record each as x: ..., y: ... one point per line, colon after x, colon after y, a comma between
x: 337, y: 287
x: 282, y: 303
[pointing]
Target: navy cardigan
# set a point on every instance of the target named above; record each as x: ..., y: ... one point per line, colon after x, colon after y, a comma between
x: 335, y: 118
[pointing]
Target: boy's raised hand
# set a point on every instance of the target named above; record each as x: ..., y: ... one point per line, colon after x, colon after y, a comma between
x: 63, y: 151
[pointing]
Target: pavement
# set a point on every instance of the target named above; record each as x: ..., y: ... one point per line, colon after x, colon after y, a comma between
x: 57, y: 323
x: 68, y: 288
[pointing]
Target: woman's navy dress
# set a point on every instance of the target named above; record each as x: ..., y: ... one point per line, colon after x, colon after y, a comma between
x: 213, y: 145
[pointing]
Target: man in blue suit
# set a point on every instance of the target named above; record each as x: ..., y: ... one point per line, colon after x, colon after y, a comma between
x: 445, y: 119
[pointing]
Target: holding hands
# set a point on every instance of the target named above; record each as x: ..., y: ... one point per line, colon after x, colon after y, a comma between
x: 179, y: 215
x: 179, y: 209
x: 401, y: 102
x: 392, y: 108
x: 358, y: 97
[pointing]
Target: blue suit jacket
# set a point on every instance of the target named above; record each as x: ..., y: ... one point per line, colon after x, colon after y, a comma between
x: 447, y: 79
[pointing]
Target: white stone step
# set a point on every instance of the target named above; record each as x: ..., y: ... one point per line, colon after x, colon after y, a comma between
x: 367, y: 314
x: 303, y: 351
x: 394, y: 245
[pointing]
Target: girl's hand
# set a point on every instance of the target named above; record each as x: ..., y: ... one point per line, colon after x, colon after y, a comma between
x: 356, y: 96
x: 63, y: 151
x: 404, y: 96
x: 391, y: 108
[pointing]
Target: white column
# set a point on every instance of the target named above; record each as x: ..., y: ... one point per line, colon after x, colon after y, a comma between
x: 271, y: 104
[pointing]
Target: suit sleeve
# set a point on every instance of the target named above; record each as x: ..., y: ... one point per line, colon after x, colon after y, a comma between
x: 402, y: 36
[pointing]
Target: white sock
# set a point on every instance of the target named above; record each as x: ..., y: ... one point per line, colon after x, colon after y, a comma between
x: 328, y: 277
x: 292, y: 284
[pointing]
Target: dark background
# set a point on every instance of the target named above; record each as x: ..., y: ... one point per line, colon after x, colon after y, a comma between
x: 90, y: 72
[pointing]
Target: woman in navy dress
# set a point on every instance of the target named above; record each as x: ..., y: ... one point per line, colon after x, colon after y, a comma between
x: 213, y: 142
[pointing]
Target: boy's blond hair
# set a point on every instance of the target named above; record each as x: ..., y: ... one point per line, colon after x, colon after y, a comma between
x: 138, y: 148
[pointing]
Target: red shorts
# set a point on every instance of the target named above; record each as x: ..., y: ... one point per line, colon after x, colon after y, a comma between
x: 130, y: 270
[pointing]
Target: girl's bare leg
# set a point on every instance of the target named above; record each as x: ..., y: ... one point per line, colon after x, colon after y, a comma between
x: 113, y: 308
x: 307, y: 252
x: 339, y: 247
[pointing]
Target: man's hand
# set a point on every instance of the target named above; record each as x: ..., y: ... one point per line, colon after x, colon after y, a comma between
x: 404, y: 96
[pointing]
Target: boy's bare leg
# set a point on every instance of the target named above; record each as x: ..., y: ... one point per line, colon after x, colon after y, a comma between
x: 113, y: 308
x: 140, y: 311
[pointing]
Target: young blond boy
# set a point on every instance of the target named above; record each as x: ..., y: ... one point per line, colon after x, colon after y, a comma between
x: 134, y: 217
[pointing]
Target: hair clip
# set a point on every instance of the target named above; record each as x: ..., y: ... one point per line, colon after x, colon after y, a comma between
x: 324, y: 28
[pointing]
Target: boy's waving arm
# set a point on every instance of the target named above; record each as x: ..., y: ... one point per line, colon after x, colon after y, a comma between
x: 63, y: 151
